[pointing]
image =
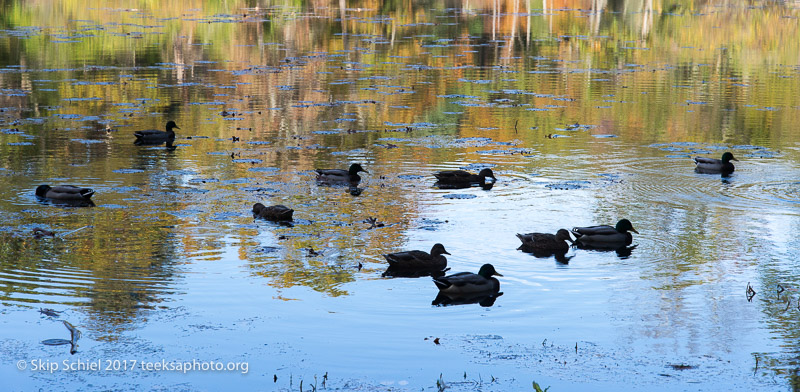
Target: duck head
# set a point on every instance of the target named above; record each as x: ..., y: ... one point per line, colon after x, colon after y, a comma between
x: 727, y: 157
x: 563, y: 235
x: 41, y: 190
x: 487, y: 173
x: 487, y: 271
x: 355, y: 168
x: 624, y: 226
x: 171, y: 125
x: 438, y: 250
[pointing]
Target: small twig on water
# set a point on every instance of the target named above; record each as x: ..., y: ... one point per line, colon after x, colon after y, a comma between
x: 756, y: 369
x: 76, y: 230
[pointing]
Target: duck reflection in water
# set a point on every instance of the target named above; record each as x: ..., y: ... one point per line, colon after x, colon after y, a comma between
x: 483, y: 299
x: 623, y: 252
x: 354, y: 190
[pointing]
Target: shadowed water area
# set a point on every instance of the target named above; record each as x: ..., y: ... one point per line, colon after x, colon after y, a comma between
x: 587, y: 112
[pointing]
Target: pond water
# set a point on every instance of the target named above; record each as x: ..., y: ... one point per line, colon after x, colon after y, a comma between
x: 587, y: 112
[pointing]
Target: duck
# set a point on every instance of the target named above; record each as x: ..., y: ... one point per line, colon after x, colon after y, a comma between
x: 64, y: 192
x: 467, y: 282
x: 341, y: 176
x: 713, y: 166
x: 154, y: 136
x: 418, y: 260
x: 463, y: 178
x: 533, y: 242
x: 274, y: 213
x: 605, y: 236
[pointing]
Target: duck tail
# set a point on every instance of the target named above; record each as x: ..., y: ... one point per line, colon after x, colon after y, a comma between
x: 441, y: 283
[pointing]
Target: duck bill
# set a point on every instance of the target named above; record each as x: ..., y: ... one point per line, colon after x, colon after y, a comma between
x: 446, y: 253
x: 497, y: 274
x: 634, y: 230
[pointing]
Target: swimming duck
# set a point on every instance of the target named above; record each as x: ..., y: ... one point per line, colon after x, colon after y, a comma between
x: 605, y: 236
x: 462, y: 178
x: 274, y: 213
x: 419, y: 260
x: 155, y: 137
x: 532, y: 242
x: 714, y: 166
x: 341, y: 176
x: 467, y: 282
x: 64, y: 192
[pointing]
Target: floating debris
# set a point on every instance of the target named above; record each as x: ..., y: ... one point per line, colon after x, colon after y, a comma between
x: 74, y: 333
x: 49, y: 312
x: 459, y: 196
x: 568, y: 185
x: 373, y: 223
x: 39, y: 233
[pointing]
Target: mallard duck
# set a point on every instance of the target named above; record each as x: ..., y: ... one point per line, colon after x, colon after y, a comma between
x: 275, y: 213
x: 155, y: 137
x: 605, y: 236
x: 714, y: 166
x: 64, y: 192
x: 462, y: 178
x: 341, y: 176
x: 418, y: 260
x: 545, y: 242
x: 467, y: 282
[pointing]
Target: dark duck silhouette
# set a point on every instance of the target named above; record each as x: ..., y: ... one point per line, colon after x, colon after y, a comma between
x: 64, y: 192
x: 605, y: 237
x: 715, y: 166
x: 463, y: 178
x: 341, y: 176
x: 156, y: 137
x: 273, y: 213
x: 543, y: 242
x: 416, y: 262
x: 468, y: 283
